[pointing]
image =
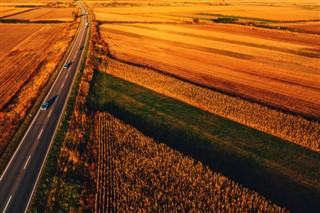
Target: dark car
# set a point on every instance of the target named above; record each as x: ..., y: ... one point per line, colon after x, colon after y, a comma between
x: 67, y: 65
x: 44, y: 106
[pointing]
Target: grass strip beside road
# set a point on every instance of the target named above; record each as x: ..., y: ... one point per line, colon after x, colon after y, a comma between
x: 281, y: 171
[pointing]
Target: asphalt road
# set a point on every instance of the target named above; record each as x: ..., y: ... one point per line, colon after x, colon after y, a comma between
x: 19, y: 179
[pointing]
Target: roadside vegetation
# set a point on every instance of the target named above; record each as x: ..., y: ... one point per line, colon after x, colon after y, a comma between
x: 66, y: 184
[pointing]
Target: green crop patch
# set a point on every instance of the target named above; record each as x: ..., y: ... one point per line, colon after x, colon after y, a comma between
x: 277, y: 169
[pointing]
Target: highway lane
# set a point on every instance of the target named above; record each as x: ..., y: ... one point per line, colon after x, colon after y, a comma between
x: 19, y: 179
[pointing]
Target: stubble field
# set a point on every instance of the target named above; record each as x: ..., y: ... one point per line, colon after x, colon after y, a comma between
x: 281, y: 74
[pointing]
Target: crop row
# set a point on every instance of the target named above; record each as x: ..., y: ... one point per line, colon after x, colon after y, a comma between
x: 141, y: 174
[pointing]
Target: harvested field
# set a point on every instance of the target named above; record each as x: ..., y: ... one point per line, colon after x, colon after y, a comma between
x: 47, y: 14
x: 269, y: 71
x: 260, y: 13
x: 305, y: 26
x: 12, y: 34
x: 21, y: 4
x: 184, y: 11
x: 8, y: 11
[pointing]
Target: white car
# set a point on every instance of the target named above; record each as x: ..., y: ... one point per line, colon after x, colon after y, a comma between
x: 44, y: 105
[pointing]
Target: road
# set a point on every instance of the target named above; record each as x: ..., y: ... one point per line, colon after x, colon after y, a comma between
x: 19, y: 179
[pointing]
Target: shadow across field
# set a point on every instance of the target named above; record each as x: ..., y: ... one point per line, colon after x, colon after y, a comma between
x: 287, y: 174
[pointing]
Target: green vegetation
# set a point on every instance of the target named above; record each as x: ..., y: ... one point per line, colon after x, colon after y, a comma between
x: 225, y: 20
x: 281, y: 171
x: 222, y: 17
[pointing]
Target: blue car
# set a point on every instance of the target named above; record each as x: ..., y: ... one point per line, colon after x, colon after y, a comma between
x: 44, y: 106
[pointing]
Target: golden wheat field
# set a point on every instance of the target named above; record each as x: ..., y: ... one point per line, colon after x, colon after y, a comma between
x: 275, y: 71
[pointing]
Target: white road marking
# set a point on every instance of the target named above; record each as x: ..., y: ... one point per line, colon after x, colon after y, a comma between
x: 49, y: 113
x: 5, y: 208
x: 25, y: 165
x: 62, y: 86
x: 40, y: 133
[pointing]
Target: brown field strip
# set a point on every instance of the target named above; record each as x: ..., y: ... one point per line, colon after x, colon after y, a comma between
x: 30, y: 52
x: 60, y: 14
x: 12, y: 11
x: 264, y: 44
x: 308, y: 26
x: 264, y: 12
x: 267, y: 12
x: 11, y: 35
x: 276, y: 77
x: 281, y: 37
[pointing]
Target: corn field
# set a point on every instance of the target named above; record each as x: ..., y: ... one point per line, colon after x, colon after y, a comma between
x: 135, y: 173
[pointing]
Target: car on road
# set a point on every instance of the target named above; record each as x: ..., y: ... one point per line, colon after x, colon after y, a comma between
x: 44, y: 105
x: 67, y: 65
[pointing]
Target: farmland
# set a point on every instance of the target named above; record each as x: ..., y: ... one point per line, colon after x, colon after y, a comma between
x: 292, y: 128
x: 136, y: 173
x: 224, y: 145
x: 45, y: 14
x: 29, y: 55
x: 8, y: 11
x: 267, y: 71
x: 31, y: 51
x: 97, y: 146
